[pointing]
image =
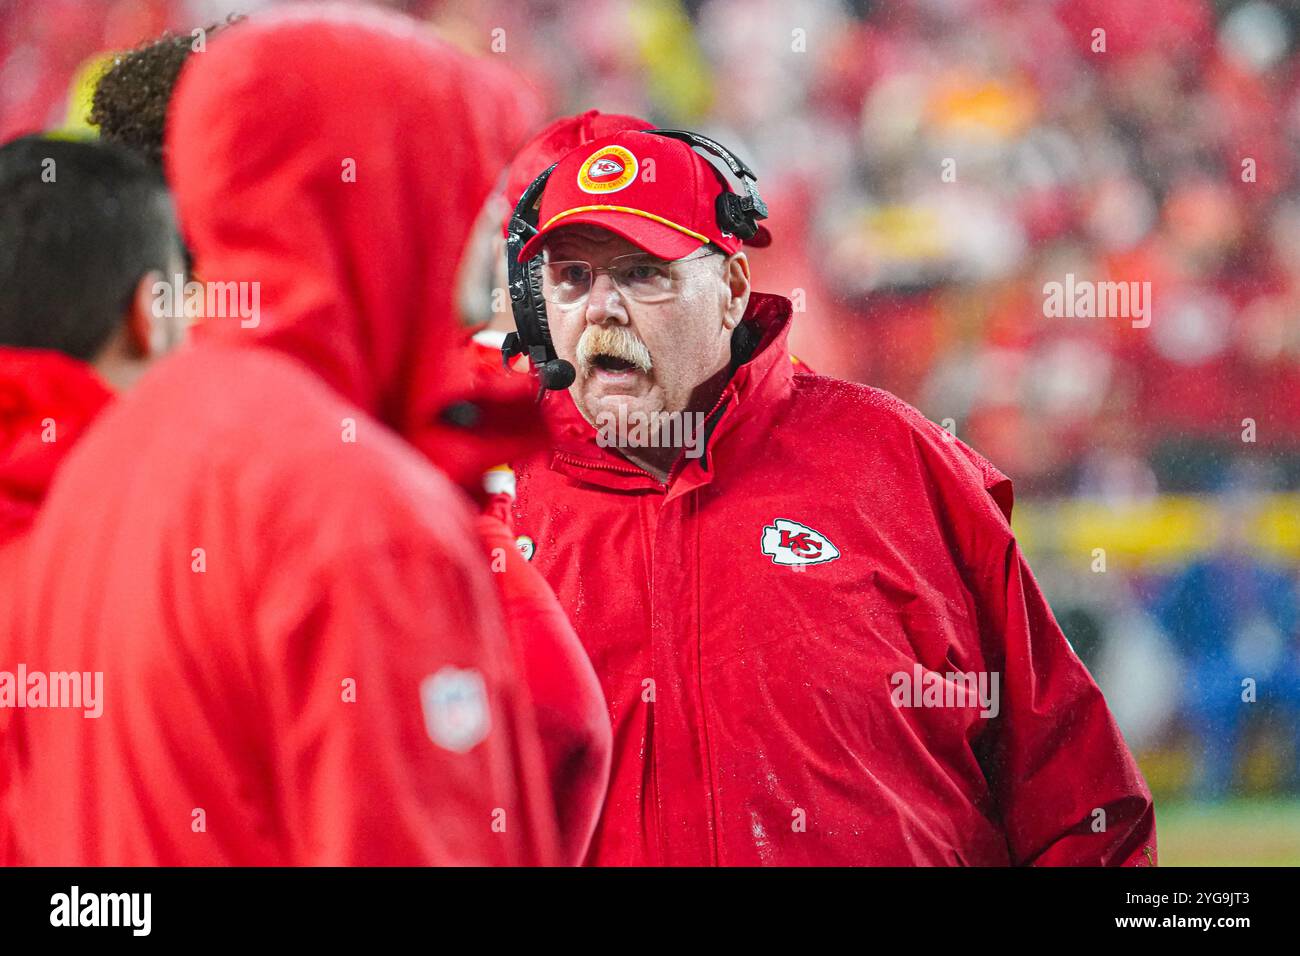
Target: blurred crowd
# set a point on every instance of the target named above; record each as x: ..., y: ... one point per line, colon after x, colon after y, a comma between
x: 931, y: 166
x: 1167, y: 156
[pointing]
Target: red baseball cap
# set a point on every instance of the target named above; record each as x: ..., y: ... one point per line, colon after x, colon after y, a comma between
x: 554, y: 142
x: 654, y: 191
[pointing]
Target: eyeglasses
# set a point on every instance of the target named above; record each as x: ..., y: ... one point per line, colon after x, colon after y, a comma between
x: 639, y: 276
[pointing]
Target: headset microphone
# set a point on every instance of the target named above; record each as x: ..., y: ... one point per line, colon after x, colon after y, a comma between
x: 557, y: 374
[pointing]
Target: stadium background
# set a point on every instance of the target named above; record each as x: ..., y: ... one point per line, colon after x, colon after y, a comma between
x: 1169, y: 455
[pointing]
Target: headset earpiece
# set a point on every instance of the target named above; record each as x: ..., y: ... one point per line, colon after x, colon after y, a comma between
x: 737, y: 214
x: 532, y: 335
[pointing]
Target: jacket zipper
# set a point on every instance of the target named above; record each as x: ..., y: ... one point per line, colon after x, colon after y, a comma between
x: 653, y: 755
x: 602, y: 466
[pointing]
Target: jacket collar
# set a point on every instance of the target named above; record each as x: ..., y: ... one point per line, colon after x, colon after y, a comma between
x: 755, y: 387
x: 39, y: 391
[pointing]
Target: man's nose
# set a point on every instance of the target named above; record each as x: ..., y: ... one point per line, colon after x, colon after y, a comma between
x: 604, y: 302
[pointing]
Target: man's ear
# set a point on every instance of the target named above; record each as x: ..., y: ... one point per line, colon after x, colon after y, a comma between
x: 148, y: 333
x: 736, y: 276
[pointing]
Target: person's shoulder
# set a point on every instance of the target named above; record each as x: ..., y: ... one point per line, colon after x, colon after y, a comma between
x: 856, y: 406
x: 258, y: 401
x: 268, y: 436
x: 878, y: 422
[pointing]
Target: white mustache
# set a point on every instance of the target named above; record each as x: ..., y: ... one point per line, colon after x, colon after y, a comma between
x: 614, y: 340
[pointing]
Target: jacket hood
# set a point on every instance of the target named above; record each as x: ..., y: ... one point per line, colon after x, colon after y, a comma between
x: 46, y: 402
x: 336, y: 157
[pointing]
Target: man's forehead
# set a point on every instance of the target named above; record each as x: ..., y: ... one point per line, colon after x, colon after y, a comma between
x: 579, y: 239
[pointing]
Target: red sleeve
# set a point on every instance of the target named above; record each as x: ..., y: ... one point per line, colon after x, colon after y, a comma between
x: 1067, y: 786
x: 1069, y: 790
x: 434, y: 760
x: 6, y: 840
x: 571, y: 713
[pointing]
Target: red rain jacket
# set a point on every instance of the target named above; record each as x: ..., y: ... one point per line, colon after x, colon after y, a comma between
x: 566, y: 694
x: 46, y: 402
x: 750, y: 618
x: 571, y: 717
x: 302, y: 652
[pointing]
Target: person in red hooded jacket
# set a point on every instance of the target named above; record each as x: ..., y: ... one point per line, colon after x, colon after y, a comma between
x: 130, y: 101
x: 65, y: 346
x: 818, y: 637
x: 302, y: 653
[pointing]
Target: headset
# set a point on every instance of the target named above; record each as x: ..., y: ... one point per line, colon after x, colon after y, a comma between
x: 737, y: 214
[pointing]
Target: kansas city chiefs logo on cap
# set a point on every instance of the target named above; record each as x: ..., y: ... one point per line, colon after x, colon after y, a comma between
x: 794, y: 544
x: 607, y: 170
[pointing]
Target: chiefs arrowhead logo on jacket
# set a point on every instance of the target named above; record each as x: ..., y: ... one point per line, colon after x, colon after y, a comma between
x: 793, y: 544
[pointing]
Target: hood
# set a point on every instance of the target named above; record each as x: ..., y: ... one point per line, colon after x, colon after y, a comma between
x: 46, y: 402
x: 336, y: 157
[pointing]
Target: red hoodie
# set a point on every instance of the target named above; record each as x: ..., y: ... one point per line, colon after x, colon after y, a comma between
x: 783, y: 627
x: 303, y: 660
x: 574, y: 725
x: 46, y: 402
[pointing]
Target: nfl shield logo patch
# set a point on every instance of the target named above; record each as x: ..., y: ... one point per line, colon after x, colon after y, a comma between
x: 455, y: 708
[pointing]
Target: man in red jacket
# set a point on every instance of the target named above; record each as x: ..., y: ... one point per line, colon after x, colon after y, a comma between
x: 818, y: 638
x: 131, y: 100
x: 99, y: 211
x: 65, y: 346
x: 302, y: 655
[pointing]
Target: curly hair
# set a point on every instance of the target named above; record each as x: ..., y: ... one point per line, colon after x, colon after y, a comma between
x: 130, y: 101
